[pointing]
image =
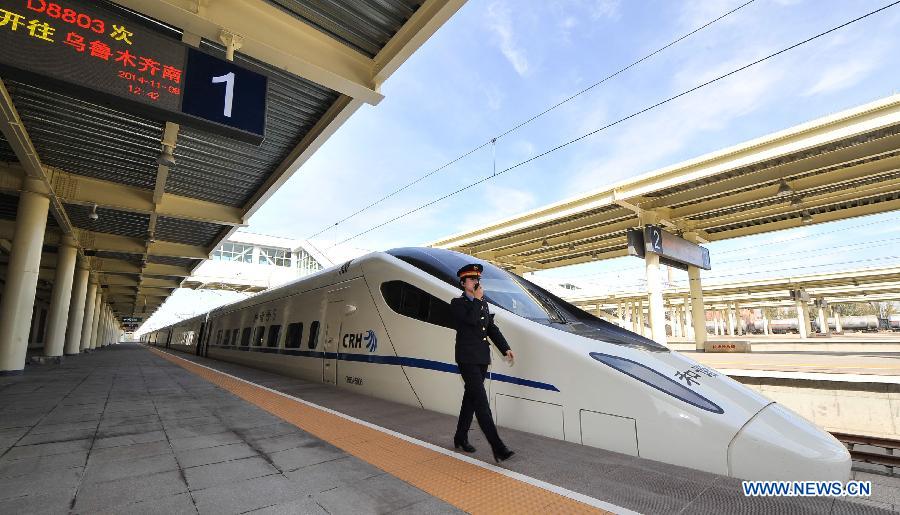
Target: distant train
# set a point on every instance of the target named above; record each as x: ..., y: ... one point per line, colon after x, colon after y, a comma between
x: 894, y: 322
x: 864, y: 323
x: 380, y: 325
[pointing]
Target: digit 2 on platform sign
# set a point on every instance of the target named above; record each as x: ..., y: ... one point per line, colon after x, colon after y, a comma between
x: 222, y: 92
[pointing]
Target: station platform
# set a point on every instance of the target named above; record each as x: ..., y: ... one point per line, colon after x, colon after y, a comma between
x: 134, y: 430
x: 837, y: 366
x: 881, y: 342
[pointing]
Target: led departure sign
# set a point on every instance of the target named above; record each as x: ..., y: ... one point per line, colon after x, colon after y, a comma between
x: 81, y: 49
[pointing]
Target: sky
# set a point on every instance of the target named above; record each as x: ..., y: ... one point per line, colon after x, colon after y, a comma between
x: 497, y: 63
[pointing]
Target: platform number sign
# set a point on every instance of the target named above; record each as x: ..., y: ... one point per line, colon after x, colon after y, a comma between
x: 225, y: 93
x: 228, y: 79
x: 672, y: 250
x: 656, y: 245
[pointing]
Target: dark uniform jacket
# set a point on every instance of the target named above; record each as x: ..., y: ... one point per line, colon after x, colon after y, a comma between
x: 474, y: 324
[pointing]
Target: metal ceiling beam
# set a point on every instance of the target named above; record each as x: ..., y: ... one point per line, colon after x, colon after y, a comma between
x: 580, y: 228
x: 557, y: 244
x: 168, y: 143
x: 808, y: 167
x: 98, y: 241
x: 118, y: 266
x: 830, y: 200
x: 126, y: 267
x: 871, y: 209
x: 17, y: 137
x: 805, y: 188
x: 87, y: 191
x: 129, y: 292
x: 272, y: 36
x: 124, y: 280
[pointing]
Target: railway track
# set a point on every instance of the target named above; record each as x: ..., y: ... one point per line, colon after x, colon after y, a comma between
x: 889, y: 458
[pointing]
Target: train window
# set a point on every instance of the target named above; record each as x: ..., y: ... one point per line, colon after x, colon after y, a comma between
x: 245, y: 336
x: 274, y: 333
x: 413, y: 302
x: 234, y: 336
x: 500, y: 287
x: 258, y: 337
x: 656, y: 380
x: 219, y: 337
x: 227, y: 338
x: 313, y: 334
x: 294, y: 335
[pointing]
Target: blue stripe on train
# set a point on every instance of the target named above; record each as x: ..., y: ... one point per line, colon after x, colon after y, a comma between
x: 426, y: 364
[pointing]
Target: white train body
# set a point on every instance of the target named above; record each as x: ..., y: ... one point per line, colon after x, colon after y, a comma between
x: 576, y: 378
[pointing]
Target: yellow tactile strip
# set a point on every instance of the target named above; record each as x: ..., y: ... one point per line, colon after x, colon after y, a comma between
x: 468, y: 487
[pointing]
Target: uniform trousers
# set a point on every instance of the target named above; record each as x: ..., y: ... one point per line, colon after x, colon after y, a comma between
x: 475, y: 402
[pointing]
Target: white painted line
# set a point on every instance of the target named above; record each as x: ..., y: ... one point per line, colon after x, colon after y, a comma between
x: 811, y: 376
x: 575, y: 496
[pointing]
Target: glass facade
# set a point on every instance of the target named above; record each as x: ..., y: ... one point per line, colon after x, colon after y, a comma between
x: 233, y: 252
x: 306, y: 263
x: 269, y: 256
x: 274, y: 256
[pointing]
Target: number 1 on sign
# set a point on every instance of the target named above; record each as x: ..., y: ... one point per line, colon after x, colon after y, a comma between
x: 228, y: 79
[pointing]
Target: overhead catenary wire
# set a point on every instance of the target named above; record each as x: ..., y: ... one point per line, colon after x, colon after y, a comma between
x: 598, y: 281
x: 741, y: 249
x: 788, y: 269
x: 620, y: 120
x: 627, y: 288
x: 493, y: 141
x: 767, y: 259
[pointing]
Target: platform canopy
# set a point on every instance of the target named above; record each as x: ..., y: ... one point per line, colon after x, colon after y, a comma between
x: 861, y: 285
x: 146, y: 226
x: 839, y: 166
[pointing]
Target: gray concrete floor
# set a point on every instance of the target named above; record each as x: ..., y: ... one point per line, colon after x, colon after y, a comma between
x: 124, y: 431
x: 637, y: 484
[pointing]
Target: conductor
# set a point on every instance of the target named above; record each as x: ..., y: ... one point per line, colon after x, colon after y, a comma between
x: 474, y: 324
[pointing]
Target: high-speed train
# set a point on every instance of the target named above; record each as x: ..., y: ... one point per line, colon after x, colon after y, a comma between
x: 380, y: 325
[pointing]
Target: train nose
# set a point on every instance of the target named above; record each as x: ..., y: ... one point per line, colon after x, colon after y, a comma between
x: 778, y: 444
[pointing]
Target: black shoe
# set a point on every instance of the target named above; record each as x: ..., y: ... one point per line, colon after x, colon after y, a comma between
x: 503, y: 455
x: 464, y: 445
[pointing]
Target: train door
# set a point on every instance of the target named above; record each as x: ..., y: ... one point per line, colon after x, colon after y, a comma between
x: 169, y: 337
x: 334, y: 317
x: 200, y: 343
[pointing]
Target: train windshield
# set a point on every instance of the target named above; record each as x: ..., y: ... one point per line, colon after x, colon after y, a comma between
x: 524, y: 298
x: 500, y: 287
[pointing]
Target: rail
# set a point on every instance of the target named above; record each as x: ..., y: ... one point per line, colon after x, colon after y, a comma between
x: 889, y: 459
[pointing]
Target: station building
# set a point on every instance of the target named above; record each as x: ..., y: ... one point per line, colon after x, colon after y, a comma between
x: 254, y: 262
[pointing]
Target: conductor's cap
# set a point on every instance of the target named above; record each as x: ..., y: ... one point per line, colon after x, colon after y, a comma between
x: 473, y: 270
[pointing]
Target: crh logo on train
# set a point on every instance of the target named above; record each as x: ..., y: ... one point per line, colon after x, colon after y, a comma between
x: 357, y: 340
